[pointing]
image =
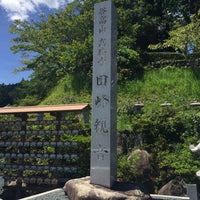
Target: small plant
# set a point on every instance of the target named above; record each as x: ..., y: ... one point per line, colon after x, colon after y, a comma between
x: 126, y: 169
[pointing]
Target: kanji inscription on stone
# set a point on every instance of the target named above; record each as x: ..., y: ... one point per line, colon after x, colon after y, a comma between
x: 103, y: 167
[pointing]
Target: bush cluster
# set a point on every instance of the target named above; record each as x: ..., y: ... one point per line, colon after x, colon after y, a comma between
x: 166, y: 134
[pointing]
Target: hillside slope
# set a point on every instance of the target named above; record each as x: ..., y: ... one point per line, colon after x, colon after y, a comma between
x: 179, y: 86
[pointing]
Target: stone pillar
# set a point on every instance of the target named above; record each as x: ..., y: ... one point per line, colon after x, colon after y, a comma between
x: 192, y: 191
x: 103, y: 168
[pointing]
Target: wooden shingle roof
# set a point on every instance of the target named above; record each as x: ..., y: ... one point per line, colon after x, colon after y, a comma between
x: 46, y: 108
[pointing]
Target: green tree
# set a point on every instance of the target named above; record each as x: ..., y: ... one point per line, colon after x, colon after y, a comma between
x: 58, y: 44
x: 61, y: 43
x: 183, y: 39
x: 25, y: 93
x: 179, y: 38
x: 5, y: 93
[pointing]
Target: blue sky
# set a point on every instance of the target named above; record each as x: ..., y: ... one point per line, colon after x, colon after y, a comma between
x: 23, y: 10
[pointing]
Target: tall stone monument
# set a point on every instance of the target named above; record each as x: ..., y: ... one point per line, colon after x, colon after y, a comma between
x: 103, y: 168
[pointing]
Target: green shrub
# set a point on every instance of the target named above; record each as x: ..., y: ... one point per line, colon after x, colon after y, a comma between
x: 126, y: 170
x: 165, y: 134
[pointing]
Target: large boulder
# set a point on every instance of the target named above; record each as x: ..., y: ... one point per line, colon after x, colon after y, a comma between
x: 81, y: 189
x: 174, y: 187
x: 141, y: 161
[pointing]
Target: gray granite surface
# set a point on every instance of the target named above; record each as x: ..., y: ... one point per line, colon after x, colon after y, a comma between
x: 57, y: 194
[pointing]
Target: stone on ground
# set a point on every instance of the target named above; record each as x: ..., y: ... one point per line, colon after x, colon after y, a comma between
x: 81, y: 189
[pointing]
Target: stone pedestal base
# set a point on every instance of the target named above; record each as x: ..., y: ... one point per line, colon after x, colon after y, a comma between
x: 81, y: 189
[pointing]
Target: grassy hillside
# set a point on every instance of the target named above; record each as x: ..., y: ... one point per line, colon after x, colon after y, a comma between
x: 178, y: 86
x: 66, y: 92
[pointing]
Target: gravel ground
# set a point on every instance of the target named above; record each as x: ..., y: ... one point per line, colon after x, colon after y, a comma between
x: 57, y: 194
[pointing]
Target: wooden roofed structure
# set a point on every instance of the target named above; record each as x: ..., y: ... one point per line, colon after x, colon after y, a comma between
x: 46, y: 108
x: 36, y: 140
x: 52, y: 109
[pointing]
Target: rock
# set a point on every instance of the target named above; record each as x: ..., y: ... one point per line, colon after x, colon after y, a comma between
x: 142, y: 163
x: 174, y: 187
x: 81, y: 189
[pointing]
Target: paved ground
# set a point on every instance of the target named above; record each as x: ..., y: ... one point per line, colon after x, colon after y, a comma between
x: 57, y: 194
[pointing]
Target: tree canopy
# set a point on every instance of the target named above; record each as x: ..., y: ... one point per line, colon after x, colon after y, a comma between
x: 62, y: 42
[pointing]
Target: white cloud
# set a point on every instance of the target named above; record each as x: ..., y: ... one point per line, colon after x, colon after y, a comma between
x: 50, y: 3
x: 21, y: 9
